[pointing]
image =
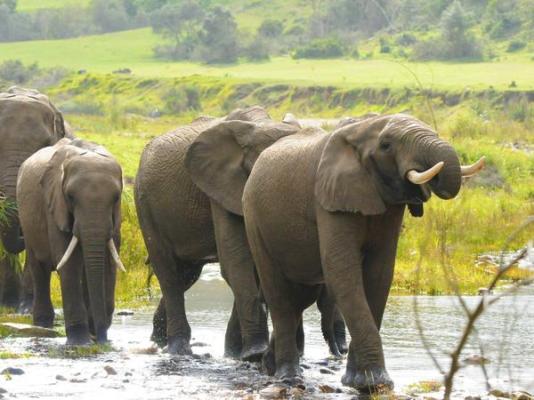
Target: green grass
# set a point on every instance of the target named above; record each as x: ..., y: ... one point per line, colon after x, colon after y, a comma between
x: 133, y: 49
x: 32, y: 5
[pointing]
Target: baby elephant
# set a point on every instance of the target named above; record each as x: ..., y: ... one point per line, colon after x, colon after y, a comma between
x: 69, y: 200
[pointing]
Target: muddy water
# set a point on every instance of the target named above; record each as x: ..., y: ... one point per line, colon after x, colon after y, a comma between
x: 208, y: 375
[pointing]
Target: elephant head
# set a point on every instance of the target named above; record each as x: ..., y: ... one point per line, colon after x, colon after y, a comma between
x: 28, y: 122
x: 391, y: 159
x: 82, y: 186
x: 220, y: 159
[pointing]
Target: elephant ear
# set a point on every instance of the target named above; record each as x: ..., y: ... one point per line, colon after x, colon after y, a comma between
x: 52, y: 184
x: 215, y: 162
x: 342, y: 181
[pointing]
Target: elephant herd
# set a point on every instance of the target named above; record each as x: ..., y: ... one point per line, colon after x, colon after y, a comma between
x: 294, y: 216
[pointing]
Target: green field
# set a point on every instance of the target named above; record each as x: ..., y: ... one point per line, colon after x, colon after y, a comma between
x: 133, y: 49
x: 31, y: 5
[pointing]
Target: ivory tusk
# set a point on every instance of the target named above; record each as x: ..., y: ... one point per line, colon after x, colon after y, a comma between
x: 68, y: 253
x: 115, y: 255
x: 419, y: 178
x: 473, y: 169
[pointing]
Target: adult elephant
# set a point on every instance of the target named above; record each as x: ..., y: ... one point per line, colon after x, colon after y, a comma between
x: 28, y: 122
x: 69, y: 198
x: 328, y: 209
x: 188, y: 220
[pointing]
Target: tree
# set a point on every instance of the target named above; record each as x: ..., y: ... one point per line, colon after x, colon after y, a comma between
x: 219, y: 37
x: 458, y: 42
x: 181, y: 25
x: 271, y: 28
x: 10, y: 4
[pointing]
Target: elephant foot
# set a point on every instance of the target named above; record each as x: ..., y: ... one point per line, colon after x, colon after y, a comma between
x: 373, y: 379
x: 268, y: 362
x: 254, y: 351
x: 78, y: 335
x: 334, y: 349
x: 179, y: 346
x: 232, y: 345
x: 159, y: 339
x: 289, y: 374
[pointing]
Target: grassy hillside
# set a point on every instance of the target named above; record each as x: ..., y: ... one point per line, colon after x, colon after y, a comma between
x: 133, y: 49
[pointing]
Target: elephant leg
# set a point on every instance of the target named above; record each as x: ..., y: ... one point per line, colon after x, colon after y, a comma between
x: 379, y: 262
x: 330, y: 316
x: 43, y: 310
x: 233, y: 344
x: 300, y: 337
x: 340, y: 332
x: 10, y: 285
x: 238, y: 269
x: 341, y: 239
x: 159, y: 325
x: 170, y: 274
x: 75, y: 301
x: 26, y: 295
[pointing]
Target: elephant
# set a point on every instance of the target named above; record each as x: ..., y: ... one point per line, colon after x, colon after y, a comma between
x: 186, y: 224
x: 69, y: 199
x: 28, y: 122
x: 327, y: 209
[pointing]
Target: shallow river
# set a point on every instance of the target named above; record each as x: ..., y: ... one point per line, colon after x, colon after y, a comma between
x: 141, y: 374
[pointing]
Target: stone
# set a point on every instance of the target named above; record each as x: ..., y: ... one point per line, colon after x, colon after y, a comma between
x: 326, y: 389
x: 522, y: 396
x: 78, y: 380
x: 2, y: 390
x: 110, y: 370
x: 274, y: 392
x: 326, y: 371
x: 60, y: 378
x: 296, y: 393
x: 500, y: 393
x: 123, y: 313
x: 12, y: 371
x: 476, y: 360
x: 26, y: 330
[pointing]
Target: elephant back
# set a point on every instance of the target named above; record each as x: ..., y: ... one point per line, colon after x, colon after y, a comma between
x: 17, y: 99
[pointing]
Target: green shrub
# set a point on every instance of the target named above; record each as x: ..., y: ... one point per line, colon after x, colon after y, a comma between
x: 181, y: 99
x: 15, y: 71
x: 320, y: 48
x: 516, y: 45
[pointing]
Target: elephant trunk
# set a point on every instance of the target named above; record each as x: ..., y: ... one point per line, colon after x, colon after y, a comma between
x: 446, y: 184
x: 12, y: 239
x: 94, y: 245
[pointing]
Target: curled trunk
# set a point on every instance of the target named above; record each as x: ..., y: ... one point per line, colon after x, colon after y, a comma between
x: 446, y: 184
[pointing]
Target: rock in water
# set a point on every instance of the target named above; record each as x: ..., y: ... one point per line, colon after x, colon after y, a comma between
x: 12, y: 371
x: 274, y: 392
x: 26, y: 330
x: 110, y: 370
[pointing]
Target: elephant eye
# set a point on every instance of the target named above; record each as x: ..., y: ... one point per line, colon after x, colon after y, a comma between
x: 385, y: 146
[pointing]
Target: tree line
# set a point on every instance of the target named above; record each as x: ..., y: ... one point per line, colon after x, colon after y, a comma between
x: 205, y: 31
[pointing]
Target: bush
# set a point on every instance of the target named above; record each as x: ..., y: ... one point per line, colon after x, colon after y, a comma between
x: 258, y: 50
x: 406, y: 39
x: 181, y: 99
x: 515, y: 45
x: 320, y: 48
x: 384, y: 46
x: 15, y: 71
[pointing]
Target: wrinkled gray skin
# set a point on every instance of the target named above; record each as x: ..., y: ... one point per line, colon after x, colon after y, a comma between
x: 186, y: 227
x: 28, y: 122
x: 72, y: 188
x: 328, y: 209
